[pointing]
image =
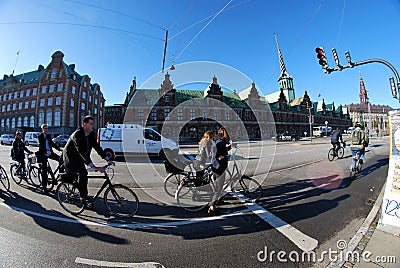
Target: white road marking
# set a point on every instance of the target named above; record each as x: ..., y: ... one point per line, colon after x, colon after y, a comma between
x: 117, y: 264
x: 128, y: 225
x: 304, y: 242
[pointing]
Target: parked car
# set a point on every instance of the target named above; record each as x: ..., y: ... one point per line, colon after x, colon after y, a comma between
x: 287, y: 136
x: 61, y: 140
x: 6, y: 139
x: 31, y: 138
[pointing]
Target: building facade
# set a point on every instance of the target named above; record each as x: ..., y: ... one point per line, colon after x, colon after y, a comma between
x: 56, y: 95
x: 373, y: 117
x: 185, y: 115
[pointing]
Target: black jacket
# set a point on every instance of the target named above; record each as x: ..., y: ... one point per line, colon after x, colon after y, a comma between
x: 42, y: 144
x: 76, y: 152
x: 18, y: 149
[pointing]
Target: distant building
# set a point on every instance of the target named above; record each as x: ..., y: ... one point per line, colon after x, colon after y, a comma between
x: 187, y: 114
x: 56, y: 95
x: 372, y: 116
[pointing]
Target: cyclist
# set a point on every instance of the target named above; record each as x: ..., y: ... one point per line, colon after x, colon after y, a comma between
x: 221, y: 156
x: 358, y: 141
x: 45, y: 151
x: 17, y: 153
x: 206, y: 153
x: 77, y: 153
x: 335, y: 137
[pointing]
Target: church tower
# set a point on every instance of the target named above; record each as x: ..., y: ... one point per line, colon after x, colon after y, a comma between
x: 363, y: 93
x: 285, y: 81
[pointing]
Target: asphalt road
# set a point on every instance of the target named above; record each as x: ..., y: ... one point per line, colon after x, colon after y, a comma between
x: 308, y: 203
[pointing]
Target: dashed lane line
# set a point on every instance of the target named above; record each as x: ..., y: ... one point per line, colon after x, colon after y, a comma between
x: 117, y: 264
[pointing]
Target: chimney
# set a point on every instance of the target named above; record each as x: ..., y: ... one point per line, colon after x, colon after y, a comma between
x: 72, y: 67
x: 5, y: 77
x: 40, y: 67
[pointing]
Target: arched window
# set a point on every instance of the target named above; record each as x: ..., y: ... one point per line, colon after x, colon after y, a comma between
x: 41, y: 118
x: 57, y: 117
x: 12, y: 123
x: 32, y: 121
x: 8, y: 123
x: 19, y: 121
x: 49, y: 118
x: 2, y: 124
x: 26, y: 123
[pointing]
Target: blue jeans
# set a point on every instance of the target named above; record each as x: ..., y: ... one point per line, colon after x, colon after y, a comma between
x: 355, y: 149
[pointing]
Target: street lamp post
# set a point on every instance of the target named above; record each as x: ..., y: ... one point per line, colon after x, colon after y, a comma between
x: 310, y: 121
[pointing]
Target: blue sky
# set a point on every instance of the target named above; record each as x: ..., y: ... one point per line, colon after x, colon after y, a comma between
x: 113, y: 41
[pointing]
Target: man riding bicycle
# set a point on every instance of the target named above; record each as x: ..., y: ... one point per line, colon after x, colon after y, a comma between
x: 358, y: 141
x: 335, y: 137
x: 44, y: 153
x: 77, y: 153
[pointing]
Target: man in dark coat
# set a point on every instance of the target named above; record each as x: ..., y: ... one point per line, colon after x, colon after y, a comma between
x: 45, y: 152
x: 77, y: 153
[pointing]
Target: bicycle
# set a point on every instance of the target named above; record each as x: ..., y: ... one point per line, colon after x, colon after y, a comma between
x: 52, y: 176
x: 192, y: 197
x: 356, y: 164
x: 120, y: 201
x: 332, y: 153
x: 5, y: 181
x: 176, y: 175
x: 31, y: 174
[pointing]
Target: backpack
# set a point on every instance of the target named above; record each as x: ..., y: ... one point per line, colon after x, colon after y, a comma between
x: 356, y: 137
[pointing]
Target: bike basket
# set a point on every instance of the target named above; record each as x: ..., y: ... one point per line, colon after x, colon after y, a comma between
x: 32, y: 159
x: 170, y: 168
x: 68, y: 177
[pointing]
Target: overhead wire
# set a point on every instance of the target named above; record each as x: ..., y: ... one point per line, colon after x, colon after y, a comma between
x: 341, y: 23
x: 206, y: 18
x: 202, y: 29
x: 119, y: 13
x: 82, y: 25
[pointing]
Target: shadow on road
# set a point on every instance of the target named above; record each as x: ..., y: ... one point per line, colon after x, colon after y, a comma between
x: 32, y: 209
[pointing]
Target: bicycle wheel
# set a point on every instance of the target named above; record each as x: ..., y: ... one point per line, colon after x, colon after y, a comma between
x: 331, y: 154
x: 171, y: 183
x: 359, y: 166
x: 16, y: 177
x: 192, y: 198
x: 69, y: 198
x: 353, y: 169
x: 121, y: 201
x: 340, y: 152
x: 249, y: 187
x: 35, y: 176
x: 4, y: 178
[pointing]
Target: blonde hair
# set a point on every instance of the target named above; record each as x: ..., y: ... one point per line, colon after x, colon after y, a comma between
x: 208, y: 135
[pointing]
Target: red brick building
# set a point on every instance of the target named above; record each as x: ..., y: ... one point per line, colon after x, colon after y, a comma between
x: 56, y: 95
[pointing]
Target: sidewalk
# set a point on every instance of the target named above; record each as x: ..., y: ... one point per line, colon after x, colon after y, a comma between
x: 374, y: 245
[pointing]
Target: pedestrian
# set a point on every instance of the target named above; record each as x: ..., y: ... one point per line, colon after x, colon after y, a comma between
x: 45, y: 152
x: 221, y: 156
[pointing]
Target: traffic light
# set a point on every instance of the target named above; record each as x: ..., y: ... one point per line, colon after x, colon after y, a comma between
x: 335, y: 56
x: 323, y: 61
x: 393, y: 87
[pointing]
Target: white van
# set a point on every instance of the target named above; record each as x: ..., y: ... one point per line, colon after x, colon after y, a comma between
x: 117, y: 139
x: 321, y: 131
x: 31, y: 138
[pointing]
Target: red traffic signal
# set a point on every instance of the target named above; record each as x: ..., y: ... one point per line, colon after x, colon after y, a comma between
x: 323, y: 61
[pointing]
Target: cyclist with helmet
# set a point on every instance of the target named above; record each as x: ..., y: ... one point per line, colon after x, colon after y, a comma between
x: 358, y: 141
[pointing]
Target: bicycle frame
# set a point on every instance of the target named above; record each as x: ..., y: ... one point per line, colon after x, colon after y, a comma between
x: 106, y: 183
